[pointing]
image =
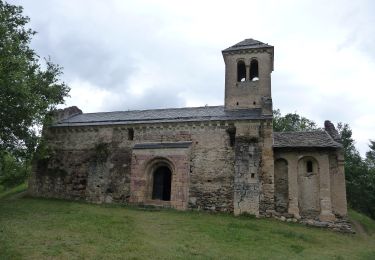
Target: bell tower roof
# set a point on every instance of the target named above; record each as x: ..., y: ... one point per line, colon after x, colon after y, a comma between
x: 247, y: 44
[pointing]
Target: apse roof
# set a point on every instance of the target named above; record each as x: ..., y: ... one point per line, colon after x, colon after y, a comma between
x: 319, y: 139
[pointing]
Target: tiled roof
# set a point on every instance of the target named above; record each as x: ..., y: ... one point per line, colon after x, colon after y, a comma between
x: 247, y: 44
x: 188, y: 114
x: 317, y: 139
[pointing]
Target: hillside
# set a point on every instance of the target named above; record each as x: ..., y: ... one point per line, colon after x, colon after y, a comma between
x: 40, y: 229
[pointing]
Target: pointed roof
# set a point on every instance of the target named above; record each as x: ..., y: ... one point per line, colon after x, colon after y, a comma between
x: 247, y: 44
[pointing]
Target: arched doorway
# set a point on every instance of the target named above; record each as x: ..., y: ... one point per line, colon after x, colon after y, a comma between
x: 281, y: 185
x: 161, y: 188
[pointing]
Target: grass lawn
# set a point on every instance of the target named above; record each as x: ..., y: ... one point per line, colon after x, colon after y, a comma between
x: 53, y: 229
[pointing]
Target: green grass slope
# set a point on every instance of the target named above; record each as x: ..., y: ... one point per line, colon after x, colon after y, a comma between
x: 10, y: 192
x: 53, y: 229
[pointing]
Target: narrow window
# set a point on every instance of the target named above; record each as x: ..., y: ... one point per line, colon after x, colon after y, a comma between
x: 254, y: 71
x: 232, y: 136
x: 130, y: 134
x: 241, y: 71
x: 309, y: 166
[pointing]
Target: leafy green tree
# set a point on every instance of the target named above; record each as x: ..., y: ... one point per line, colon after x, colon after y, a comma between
x: 13, y: 172
x: 28, y: 92
x: 370, y: 155
x: 352, y: 156
x: 360, y: 176
x: 291, y: 122
x: 29, y: 87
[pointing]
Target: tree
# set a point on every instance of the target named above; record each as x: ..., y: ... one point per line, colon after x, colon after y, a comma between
x: 291, y: 122
x: 360, y: 177
x: 370, y: 155
x: 28, y: 92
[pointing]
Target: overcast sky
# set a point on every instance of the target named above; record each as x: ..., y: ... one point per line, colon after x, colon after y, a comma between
x: 120, y: 55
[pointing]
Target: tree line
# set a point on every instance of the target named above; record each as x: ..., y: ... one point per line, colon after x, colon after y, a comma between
x: 30, y: 88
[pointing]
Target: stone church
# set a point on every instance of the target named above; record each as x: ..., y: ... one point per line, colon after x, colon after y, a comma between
x: 216, y: 158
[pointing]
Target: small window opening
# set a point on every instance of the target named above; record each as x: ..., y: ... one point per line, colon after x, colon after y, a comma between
x: 232, y: 136
x: 131, y: 134
x: 309, y: 166
x: 241, y: 71
x: 237, y: 103
x: 252, y: 176
x: 254, y: 71
x: 254, y: 103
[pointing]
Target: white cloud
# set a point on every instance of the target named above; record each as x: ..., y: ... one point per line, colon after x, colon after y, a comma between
x: 88, y: 97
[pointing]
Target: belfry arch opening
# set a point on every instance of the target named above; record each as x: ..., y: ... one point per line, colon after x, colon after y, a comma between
x: 162, y: 179
x: 254, y: 70
x: 241, y: 71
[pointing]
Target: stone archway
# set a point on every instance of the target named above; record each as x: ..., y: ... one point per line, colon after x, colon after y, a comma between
x: 161, y: 187
x: 160, y: 180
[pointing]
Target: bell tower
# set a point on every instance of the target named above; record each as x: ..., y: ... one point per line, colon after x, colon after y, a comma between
x: 248, y: 68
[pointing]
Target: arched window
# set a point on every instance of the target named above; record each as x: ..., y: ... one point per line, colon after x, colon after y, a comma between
x: 309, y: 166
x: 254, y: 70
x: 241, y: 71
x: 161, y: 188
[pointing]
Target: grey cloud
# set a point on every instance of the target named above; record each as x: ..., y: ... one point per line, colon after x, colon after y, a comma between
x: 152, y: 99
x: 358, y: 20
x: 109, y: 48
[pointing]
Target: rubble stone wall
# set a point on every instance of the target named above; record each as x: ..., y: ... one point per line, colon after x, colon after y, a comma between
x: 96, y: 163
x: 253, y: 181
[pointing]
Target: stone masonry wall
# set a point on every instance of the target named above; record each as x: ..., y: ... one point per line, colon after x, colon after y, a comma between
x: 253, y: 182
x: 320, y: 190
x: 82, y: 164
x: 337, y: 178
x: 94, y: 163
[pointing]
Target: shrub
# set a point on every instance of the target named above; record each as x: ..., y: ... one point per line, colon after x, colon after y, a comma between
x: 12, y: 171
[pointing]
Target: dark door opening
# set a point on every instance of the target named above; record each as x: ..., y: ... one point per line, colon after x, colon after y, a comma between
x: 161, y: 189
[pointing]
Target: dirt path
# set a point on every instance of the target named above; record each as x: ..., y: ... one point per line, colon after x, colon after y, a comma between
x: 359, y: 228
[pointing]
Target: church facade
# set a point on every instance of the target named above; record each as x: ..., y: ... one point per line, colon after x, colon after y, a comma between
x: 217, y: 158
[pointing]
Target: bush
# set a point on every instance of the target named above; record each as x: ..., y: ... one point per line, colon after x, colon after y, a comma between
x: 12, y: 171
